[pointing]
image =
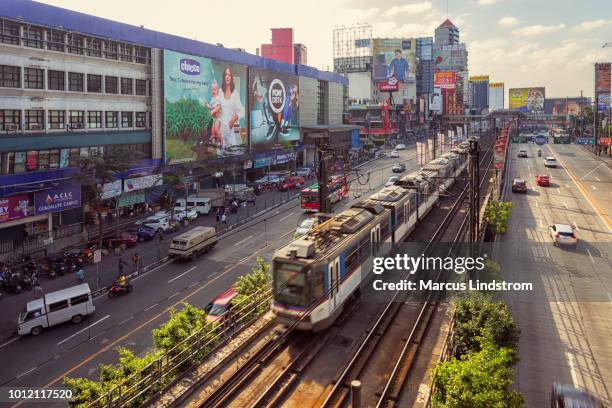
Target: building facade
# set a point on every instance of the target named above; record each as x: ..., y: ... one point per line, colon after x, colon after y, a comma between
x: 480, y: 93
x: 446, y: 34
x: 496, y: 96
x: 283, y: 49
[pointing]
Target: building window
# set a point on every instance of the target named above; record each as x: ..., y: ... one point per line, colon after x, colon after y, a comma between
x: 10, y: 119
x: 141, y: 87
x: 56, y: 119
x: 73, y: 159
x: 20, y: 161
x: 111, y: 119
x: 34, y: 119
x: 126, y: 86
x: 33, y: 78
x: 110, y: 49
x: 94, y: 47
x: 127, y: 119
x: 56, y: 80
x: 141, y: 119
x: 9, y: 32
x: 10, y: 76
x: 54, y: 158
x: 56, y: 40
x: 75, y: 44
x: 43, y: 160
x: 33, y: 37
x: 75, y: 82
x: 77, y: 119
x: 94, y: 119
x: 94, y: 83
x: 143, y: 55
x: 111, y: 84
x: 321, y: 93
x: 126, y: 52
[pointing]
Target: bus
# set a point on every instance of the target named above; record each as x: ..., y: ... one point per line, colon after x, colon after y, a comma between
x: 338, y: 189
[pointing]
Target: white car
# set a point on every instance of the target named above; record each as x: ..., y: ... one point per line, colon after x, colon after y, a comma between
x: 394, y: 154
x: 563, y: 234
x: 400, y: 146
x: 304, y: 227
x: 391, y: 181
x: 303, y: 172
x: 550, y: 162
x: 157, y: 222
x: 268, y: 180
x: 180, y: 214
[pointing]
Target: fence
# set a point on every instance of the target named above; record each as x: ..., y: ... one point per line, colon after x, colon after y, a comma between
x: 39, y: 241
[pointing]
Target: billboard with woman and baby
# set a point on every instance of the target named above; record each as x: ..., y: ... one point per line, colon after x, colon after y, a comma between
x: 204, y: 108
x: 274, y: 101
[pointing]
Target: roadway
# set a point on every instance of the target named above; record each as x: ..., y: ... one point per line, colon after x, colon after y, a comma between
x: 566, y: 321
x: 127, y: 321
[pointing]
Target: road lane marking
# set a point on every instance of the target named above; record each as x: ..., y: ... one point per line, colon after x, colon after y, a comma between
x: 594, y: 188
x: 565, y: 205
x: 590, y: 256
x: 82, y: 330
x: 26, y: 372
x: 570, y: 363
x: 9, y: 342
x: 173, y: 295
x: 242, y: 241
x: 286, y: 216
x: 126, y: 320
x: 182, y: 274
x: 567, y: 186
x: 539, y: 222
x: 596, y: 167
x: 597, y: 178
x: 150, y: 307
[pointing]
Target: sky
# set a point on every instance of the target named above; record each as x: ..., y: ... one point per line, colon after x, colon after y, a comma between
x: 551, y: 43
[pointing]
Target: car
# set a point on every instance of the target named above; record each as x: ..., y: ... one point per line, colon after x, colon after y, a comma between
x: 305, y: 226
x: 542, y: 180
x: 522, y: 153
x: 157, y: 222
x: 268, y: 180
x: 391, y: 181
x: 550, y: 162
x: 568, y: 396
x: 304, y: 172
x: 128, y: 239
x: 563, y: 234
x: 180, y: 214
x: 219, y: 310
x: 143, y: 233
x: 400, y: 146
x: 290, y: 183
x: 398, y: 168
x: 519, y: 186
x: 394, y: 154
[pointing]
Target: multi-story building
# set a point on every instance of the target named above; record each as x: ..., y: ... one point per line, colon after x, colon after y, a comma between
x: 282, y: 48
x: 480, y: 93
x: 446, y: 34
x: 425, y: 65
x: 496, y: 96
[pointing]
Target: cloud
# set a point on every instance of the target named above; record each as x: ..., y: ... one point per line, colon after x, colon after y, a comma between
x: 591, y: 25
x: 537, y: 30
x: 508, y: 22
x: 486, y: 2
x: 409, y: 9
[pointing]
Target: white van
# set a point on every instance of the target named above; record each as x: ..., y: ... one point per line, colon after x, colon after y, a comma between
x: 193, y: 242
x: 201, y: 204
x: 70, y: 304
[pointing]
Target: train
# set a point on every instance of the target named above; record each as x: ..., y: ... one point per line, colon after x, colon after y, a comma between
x: 316, y: 275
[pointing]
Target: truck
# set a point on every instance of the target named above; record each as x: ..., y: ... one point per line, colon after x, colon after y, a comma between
x: 216, y: 196
x: 192, y: 243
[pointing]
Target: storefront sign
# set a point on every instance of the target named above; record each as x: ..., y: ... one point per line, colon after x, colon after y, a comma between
x: 585, y: 141
x: 110, y: 190
x: 263, y: 162
x: 141, y: 183
x: 14, y: 208
x: 390, y: 84
x: 63, y: 197
x: 128, y: 199
x: 605, y: 141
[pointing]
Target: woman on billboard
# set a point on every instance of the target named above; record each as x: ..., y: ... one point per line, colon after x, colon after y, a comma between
x: 232, y: 109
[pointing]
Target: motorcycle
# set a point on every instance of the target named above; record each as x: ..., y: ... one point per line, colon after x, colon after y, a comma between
x: 58, y: 265
x: 118, y: 290
x: 28, y: 281
x: 45, y: 268
x: 11, y: 284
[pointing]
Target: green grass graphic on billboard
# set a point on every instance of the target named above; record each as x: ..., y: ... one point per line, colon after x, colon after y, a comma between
x: 204, y: 108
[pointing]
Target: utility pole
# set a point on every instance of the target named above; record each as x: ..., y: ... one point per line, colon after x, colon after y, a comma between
x: 323, y: 176
x: 473, y: 190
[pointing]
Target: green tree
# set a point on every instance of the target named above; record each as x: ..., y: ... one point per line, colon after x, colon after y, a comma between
x: 252, y: 289
x: 479, y: 379
x: 170, y: 336
x: 497, y: 214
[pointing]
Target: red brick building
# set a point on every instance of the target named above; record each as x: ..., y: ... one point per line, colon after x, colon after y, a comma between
x: 282, y: 48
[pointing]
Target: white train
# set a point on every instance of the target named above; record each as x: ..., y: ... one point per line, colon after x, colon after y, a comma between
x: 315, y: 275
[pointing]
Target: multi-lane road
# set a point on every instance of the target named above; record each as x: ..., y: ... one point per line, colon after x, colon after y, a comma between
x: 566, y: 321
x: 127, y: 321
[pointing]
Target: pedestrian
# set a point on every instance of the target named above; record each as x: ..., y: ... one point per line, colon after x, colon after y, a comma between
x: 160, y: 236
x: 121, y: 264
x: 224, y: 219
x: 135, y: 261
x: 38, y: 291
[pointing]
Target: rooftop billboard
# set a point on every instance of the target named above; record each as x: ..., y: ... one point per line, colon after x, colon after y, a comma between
x: 394, y: 57
x: 445, y: 79
x: 565, y: 106
x: 602, y: 85
x: 530, y: 100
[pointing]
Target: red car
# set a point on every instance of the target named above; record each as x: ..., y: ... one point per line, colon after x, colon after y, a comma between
x: 290, y: 183
x: 542, y: 180
x: 122, y: 238
x: 220, y: 309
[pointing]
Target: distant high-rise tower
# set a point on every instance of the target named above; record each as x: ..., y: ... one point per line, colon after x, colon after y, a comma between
x: 446, y: 34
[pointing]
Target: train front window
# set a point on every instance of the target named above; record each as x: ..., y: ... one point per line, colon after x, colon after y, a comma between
x: 290, y: 285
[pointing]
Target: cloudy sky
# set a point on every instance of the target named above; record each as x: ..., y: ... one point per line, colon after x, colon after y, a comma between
x: 553, y: 43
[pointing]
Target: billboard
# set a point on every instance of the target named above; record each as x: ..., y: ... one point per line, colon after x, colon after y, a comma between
x: 15, y: 207
x: 450, y: 58
x: 274, y: 100
x: 602, y: 85
x: 529, y: 100
x: 479, y: 78
x: 565, y: 106
x: 63, y: 197
x: 435, y: 100
x: 204, y: 108
x: 394, y: 57
x: 445, y: 79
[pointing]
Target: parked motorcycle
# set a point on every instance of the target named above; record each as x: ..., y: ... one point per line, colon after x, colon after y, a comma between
x: 46, y: 268
x: 11, y: 283
x: 118, y: 290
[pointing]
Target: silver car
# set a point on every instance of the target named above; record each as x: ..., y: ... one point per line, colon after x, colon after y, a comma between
x: 563, y: 234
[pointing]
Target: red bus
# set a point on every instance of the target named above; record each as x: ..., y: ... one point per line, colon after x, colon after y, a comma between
x: 338, y: 189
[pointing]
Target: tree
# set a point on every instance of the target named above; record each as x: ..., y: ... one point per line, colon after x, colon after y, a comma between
x: 252, y: 288
x: 170, y: 336
x: 497, y: 214
x: 479, y: 379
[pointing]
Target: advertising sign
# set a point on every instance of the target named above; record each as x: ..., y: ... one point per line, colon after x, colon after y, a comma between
x: 141, y: 183
x: 63, y: 197
x: 274, y: 100
x: 540, y: 140
x: 603, y: 77
x: 605, y: 141
x: 435, y: 100
x: 479, y: 78
x: 585, y: 141
x: 390, y: 84
x: 204, y: 108
x: 603, y: 101
x: 394, y: 57
x: 529, y: 100
x: 445, y: 79
x: 565, y: 106
x: 110, y: 190
x: 14, y: 208
x: 450, y: 58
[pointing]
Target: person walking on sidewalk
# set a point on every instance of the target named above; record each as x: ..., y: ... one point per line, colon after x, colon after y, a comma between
x: 122, y: 263
x: 224, y: 219
x: 160, y: 236
x: 135, y: 261
x: 38, y: 292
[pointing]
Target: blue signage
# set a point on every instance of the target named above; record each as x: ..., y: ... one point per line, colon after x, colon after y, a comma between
x: 263, y: 162
x: 355, y: 141
x: 585, y: 141
x: 63, y: 197
x: 540, y: 140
